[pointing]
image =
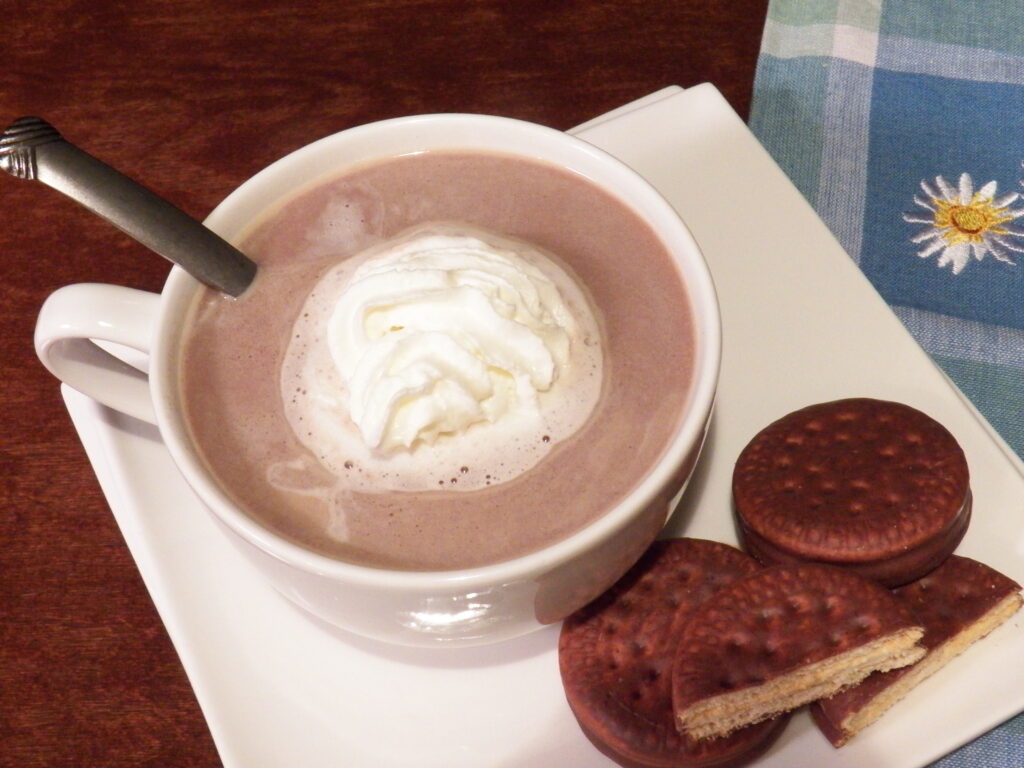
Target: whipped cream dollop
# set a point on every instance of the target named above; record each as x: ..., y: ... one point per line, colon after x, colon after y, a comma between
x: 446, y: 357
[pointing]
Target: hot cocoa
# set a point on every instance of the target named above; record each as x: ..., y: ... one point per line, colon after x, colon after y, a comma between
x: 234, y: 349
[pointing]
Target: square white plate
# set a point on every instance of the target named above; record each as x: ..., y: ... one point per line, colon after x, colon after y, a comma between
x: 801, y: 325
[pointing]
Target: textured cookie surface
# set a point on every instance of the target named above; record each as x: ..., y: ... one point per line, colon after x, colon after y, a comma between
x: 958, y: 603
x: 872, y: 485
x: 780, y: 638
x: 615, y: 657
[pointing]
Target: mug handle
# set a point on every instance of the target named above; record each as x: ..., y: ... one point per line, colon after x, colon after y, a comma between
x: 72, y: 321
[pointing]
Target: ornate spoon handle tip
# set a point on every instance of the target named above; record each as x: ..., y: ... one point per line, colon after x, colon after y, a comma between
x: 18, y: 145
x: 31, y: 148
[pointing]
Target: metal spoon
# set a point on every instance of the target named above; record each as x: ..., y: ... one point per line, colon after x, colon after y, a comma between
x: 30, y: 148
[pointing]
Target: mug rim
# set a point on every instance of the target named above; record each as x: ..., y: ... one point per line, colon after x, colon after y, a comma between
x: 180, y: 290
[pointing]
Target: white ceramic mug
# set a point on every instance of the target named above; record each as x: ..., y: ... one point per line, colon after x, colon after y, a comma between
x: 473, y: 606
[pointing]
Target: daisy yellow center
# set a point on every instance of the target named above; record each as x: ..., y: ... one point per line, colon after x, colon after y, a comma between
x: 968, y: 220
x: 969, y: 223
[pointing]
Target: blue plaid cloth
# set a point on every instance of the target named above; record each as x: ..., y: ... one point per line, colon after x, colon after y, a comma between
x: 902, y: 122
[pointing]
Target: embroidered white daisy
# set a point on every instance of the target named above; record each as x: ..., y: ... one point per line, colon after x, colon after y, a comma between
x: 961, y: 222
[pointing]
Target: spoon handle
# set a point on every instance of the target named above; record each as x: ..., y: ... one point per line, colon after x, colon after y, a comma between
x: 30, y: 148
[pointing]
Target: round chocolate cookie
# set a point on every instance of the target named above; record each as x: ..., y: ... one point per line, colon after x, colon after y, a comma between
x: 780, y: 638
x: 870, y: 485
x: 958, y: 603
x: 615, y: 657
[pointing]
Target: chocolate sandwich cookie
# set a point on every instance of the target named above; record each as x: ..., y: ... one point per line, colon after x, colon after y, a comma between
x: 874, y: 486
x: 780, y: 638
x: 615, y: 658
x: 958, y: 603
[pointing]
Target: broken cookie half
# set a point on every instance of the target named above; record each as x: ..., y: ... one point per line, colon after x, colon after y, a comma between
x: 958, y: 603
x: 781, y: 638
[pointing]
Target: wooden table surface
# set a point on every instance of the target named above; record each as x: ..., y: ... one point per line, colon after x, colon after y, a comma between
x: 192, y: 98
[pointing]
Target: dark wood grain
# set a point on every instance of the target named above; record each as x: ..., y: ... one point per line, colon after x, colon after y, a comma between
x: 192, y: 98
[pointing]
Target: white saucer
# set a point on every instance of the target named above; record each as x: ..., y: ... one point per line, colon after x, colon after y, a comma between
x: 801, y: 325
